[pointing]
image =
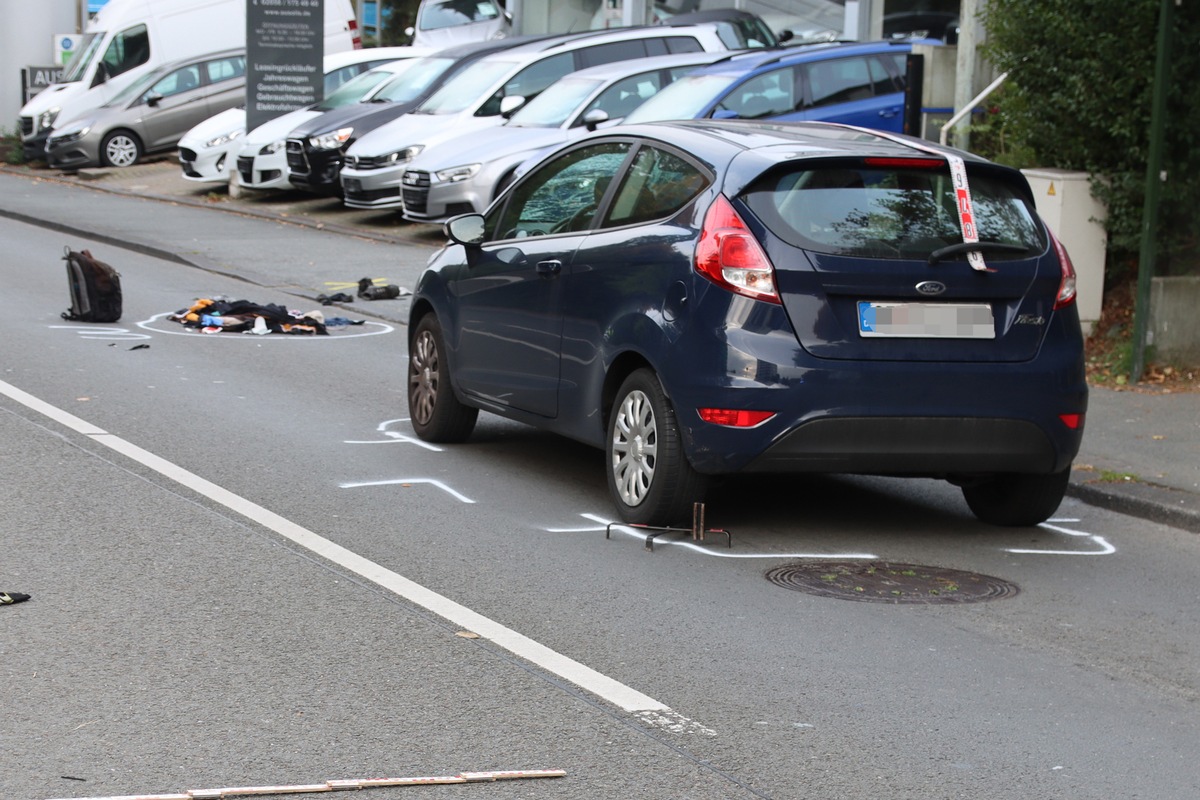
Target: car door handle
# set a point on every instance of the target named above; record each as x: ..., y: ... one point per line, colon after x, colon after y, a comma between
x: 549, y: 268
x: 888, y: 113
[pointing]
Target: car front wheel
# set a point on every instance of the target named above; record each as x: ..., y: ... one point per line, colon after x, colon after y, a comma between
x: 1017, y: 500
x: 435, y: 412
x: 120, y: 149
x: 649, y: 477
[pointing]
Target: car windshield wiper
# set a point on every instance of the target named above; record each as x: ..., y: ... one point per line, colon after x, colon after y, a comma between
x: 975, y: 247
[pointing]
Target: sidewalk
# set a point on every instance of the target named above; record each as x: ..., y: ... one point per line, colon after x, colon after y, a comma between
x: 1141, y: 446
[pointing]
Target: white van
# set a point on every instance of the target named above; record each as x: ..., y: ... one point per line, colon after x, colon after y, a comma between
x: 128, y: 38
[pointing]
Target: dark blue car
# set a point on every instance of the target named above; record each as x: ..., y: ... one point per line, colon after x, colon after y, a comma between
x: 709, y: 297
x: 855, y: 84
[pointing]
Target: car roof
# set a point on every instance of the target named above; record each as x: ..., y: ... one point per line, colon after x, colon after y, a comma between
x: 345, y: 58
x: 572, y: 41
x: 749, y: 60
x: 619, y: 69
x: 783, y: 141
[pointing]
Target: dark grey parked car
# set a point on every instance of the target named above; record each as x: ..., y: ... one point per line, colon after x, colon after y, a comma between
x: 152, y: 114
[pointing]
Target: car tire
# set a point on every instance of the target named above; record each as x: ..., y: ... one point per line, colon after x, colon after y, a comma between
x: 1017, y: 500
x: 120, y: 149
x: 649, y: 477
x: 434, y: 411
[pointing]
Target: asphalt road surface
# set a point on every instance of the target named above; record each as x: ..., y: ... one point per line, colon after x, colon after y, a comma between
x: 246, y: 571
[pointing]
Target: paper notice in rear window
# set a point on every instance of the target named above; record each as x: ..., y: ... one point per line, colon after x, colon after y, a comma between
x: 926, y: 320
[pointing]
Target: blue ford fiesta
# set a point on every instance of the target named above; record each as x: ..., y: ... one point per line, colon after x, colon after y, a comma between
x: 708, y: 297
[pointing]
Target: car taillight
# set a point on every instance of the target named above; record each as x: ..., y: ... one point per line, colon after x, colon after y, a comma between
x: 734, y: 417
x: 729, y: 255
x: 1072, y: 421
x: 1066, y: 286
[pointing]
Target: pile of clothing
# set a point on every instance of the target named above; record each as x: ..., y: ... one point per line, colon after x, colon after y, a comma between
x: 242, y: 316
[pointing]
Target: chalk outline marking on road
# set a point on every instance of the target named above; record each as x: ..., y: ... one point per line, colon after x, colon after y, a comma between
x: 687, y: 544
x: 586, y: 678
x: 94, y: 332
x: 1106, y: 549
x: 180, y: 330
x: 395, y: 437
x: 406, y: 481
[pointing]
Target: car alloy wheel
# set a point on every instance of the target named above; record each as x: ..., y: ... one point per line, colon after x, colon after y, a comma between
x: 649, y: 476
x: 120, y: 149
x: 435, y: 412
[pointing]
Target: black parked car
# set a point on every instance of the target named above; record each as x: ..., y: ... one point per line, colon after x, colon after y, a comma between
x: 314, y: 150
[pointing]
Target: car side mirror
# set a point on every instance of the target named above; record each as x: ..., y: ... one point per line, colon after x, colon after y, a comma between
x: 509, y: 104
x: 466, y: 229
x: 594, y: 118
x: 409, y: 31
x: 153, y: 99
x: 101, y: 74
x: 785, y: 36
x: 725, y: 113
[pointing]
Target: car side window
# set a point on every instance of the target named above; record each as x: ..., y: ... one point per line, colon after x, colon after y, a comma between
x: 561, y: 196
x: 530, y: 82
x: 657, y: 185
x: 613, y: 51
x: 845, y: 80
x: 768, y: 95
x: 224, y: 69
x: 683, y: 44
x: 624, y: 96
x: 129, y: 48
x: 175, y: 82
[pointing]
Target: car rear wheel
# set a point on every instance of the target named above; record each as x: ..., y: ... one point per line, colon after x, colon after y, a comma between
x: 1017, y: 500
x: 120, y: 149
x: 649, y: 477
x: 435, y: 412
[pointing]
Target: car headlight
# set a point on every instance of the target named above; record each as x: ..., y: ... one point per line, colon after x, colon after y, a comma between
x: 273, y: 147
x: 401, y: 156
x: 46, y: 118
x: 456, y: 174
x: 224, y: 138
x: 71, y: 132
x: 331, y: 141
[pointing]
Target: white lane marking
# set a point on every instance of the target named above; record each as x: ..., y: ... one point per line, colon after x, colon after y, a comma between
x: 393, y: 482
x: 716, y: 551
x: 673, y: 722
x: 588, y: 679
x: 94, y: 332
x: 1105, y: 547
x: 368, y: 328
x: 395, y: 437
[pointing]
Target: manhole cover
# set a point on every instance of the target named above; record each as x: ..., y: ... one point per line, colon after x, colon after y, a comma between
x: 883, y: 582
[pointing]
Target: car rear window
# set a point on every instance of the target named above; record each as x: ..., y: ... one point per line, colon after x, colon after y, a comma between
x: 888, y: 212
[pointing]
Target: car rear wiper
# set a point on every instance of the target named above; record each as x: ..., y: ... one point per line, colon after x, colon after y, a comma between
x: 975, y: 247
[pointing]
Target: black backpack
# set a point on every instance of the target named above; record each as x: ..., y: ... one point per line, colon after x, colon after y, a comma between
x: 95, y: 288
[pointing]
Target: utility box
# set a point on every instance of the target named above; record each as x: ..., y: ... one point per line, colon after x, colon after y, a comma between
x: 1064, y: 200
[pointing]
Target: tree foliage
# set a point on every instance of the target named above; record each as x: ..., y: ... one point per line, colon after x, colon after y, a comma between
x: 1078, y: 97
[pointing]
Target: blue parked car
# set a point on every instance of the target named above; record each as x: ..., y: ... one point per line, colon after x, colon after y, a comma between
x: 708, y: 297
x: 855, y: 84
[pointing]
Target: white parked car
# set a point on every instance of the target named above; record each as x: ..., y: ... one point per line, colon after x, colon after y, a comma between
x: 208, y: 151
x: 484, y: 94
x: 465, y: 174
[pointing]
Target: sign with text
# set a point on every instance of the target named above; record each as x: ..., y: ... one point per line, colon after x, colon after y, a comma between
x: 285, y: 49
x: 34, y: 79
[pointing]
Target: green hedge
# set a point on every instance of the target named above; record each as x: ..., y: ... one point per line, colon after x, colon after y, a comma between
x: 1078, y: 97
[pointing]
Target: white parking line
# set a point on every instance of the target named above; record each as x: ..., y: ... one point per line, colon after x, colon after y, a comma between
x: 1105, y: 548
x: 586, y: 678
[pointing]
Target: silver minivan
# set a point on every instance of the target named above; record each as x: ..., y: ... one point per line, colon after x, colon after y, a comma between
x: 445, y: 23
x: 151, y: 114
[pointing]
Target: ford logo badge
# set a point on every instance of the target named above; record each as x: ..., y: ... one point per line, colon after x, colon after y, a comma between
x: 931, y: 287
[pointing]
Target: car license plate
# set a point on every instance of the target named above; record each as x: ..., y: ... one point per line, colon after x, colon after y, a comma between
x: 926, y: 320
x: 352, y: 184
